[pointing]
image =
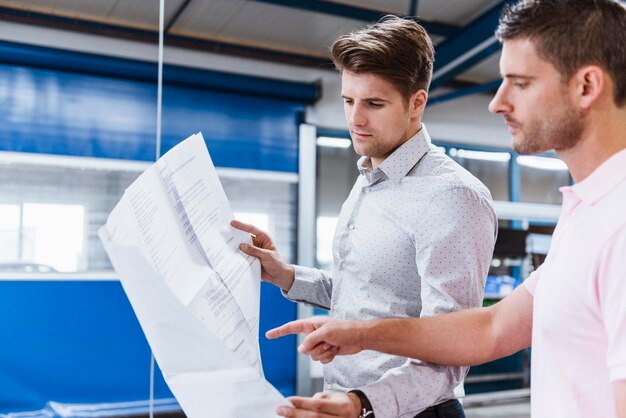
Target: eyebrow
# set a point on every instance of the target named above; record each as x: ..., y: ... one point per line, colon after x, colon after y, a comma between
x: 367, y: 99
x: 513, y: 75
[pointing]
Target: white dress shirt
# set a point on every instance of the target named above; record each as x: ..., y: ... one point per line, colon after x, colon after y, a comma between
x: 414, y: 238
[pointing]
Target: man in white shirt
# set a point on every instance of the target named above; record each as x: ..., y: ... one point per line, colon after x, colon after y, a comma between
x: 414, y: 237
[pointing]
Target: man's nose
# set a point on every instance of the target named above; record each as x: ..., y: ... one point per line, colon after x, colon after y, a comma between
x: 357, y: 116
x: 500, y: 103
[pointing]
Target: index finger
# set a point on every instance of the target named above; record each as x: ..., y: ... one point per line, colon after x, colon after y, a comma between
x: 250, y: 229
x: 294, y: 327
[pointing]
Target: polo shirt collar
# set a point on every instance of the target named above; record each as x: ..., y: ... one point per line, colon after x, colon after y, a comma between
x: 602, y: 180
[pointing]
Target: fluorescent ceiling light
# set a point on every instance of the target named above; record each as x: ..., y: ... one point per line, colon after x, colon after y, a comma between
x: 542, y: 163
x: 327, y: 141
x: 480, y: 155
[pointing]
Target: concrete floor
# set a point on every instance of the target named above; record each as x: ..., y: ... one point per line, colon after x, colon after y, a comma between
x: 520, y: 409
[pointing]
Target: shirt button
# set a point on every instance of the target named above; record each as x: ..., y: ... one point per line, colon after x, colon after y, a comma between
x: 368, y: 189
x: 329, y: 387
x: 343, y: 265
x: 351, y: 226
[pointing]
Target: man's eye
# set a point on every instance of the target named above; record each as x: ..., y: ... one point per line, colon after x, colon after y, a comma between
x: 376, y: 105
x: 347, y: 101
x: 521, y: 85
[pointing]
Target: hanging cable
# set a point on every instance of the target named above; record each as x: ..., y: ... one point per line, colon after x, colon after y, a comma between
x: 151, y: 405
x: 157, y: 156
x: 160, y: 81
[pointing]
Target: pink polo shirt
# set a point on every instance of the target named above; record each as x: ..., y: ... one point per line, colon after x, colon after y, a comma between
x: 579, y: 308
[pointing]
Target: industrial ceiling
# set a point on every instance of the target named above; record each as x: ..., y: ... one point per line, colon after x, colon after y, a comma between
x: 290, y: 31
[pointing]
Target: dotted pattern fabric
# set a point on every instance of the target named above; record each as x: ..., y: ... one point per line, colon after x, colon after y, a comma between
x: 414, y: 238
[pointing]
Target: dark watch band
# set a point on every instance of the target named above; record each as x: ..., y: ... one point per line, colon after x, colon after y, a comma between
x: 366, y: 407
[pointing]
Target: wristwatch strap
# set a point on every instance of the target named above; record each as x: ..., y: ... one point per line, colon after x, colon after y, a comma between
x: 366, y: 407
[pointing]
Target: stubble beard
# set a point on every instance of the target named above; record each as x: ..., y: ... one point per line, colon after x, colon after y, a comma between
x: 375, y: 151
x: 559, y: 132
x: 370, y: 148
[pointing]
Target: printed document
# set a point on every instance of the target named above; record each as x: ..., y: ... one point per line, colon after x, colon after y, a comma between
x: 195, y: 294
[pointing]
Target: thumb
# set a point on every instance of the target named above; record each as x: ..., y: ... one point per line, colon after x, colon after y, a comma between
x: 254, y: 251
x: 311, y: 341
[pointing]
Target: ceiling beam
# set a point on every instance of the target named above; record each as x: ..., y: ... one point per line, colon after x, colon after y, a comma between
x: 480, y: 88
x: 469, y: 46
x: 152, y: 37
x: 358, y: 13
x: 176, y: 15
x: 413, y: 7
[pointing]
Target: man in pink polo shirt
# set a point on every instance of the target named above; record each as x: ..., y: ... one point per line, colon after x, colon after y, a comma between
x: 564, y: 88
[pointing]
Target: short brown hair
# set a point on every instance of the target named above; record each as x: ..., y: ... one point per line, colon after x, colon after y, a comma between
x: 571, y: 34
x: 395, y: 49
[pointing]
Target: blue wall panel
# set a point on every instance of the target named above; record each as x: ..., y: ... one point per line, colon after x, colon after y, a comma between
x: 51, y: 112
x: 55, y: 112
x: 241, y: 131
x: 74, y: 342
x: 279, y: 356
x: 80, y: 342
x: 58, y: 59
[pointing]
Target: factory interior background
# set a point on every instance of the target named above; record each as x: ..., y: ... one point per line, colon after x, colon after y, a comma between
x: 78, y: 117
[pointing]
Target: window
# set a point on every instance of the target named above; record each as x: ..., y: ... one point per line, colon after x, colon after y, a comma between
x: 10, y: 219
x: 326, y: 226
x: 258, y: 219
x: 38, y: 237
x: 53, y: 235
x: 52, y: 207
x: 541, y: 178
x: 491, y: 168
x: 268, y: 204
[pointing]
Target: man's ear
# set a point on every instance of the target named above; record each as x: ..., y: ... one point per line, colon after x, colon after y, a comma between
x: 417, y: 102
x: 589, y: 82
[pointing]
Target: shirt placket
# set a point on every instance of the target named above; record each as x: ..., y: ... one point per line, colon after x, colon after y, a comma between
x: 347, y: 262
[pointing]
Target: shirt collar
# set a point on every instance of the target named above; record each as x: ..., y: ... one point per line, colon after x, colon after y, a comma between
x: 601, y: 181
x: 400, y: 162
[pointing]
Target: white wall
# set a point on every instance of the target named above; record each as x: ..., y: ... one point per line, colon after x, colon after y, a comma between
x: 464, y: 120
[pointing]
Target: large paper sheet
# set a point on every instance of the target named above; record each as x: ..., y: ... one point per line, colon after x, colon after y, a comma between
x: 195, y: 294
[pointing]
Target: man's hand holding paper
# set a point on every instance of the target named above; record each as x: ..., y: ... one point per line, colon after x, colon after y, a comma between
x: 273, y: 269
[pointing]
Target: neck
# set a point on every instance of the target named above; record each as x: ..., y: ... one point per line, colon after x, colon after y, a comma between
x: 411, y: 131
x: 602, y: 138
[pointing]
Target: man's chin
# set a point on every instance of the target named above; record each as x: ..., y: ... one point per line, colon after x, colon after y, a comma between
x: 525, y: 147
x: 359, y: 150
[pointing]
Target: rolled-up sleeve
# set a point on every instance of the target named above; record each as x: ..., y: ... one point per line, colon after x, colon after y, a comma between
x: 455, y: 248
